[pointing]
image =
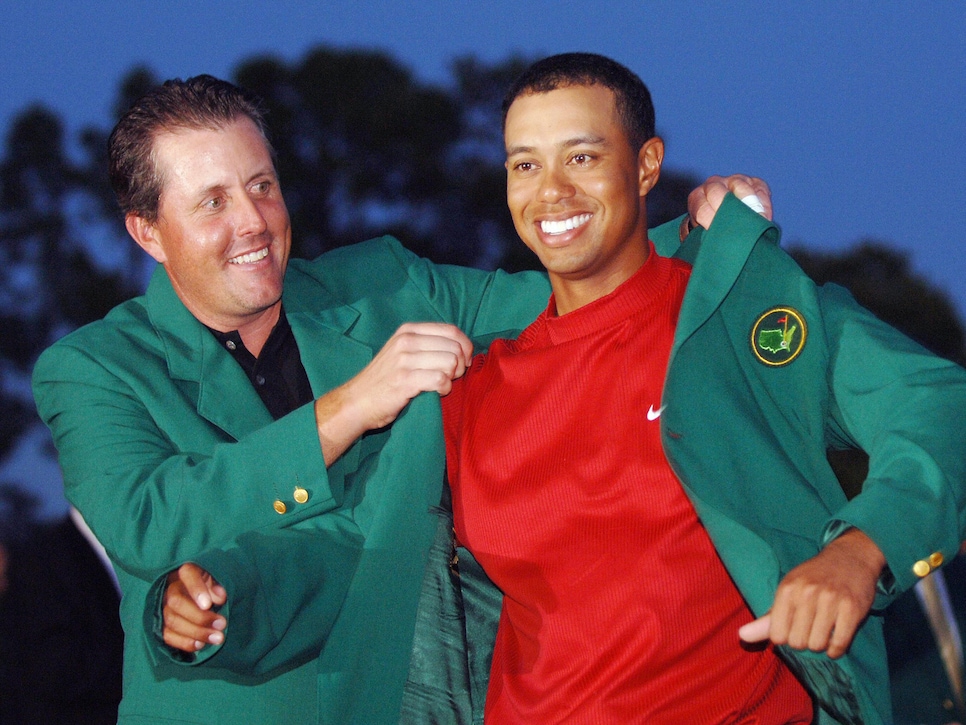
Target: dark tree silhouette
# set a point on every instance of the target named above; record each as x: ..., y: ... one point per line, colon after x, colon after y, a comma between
x: 50, y: 277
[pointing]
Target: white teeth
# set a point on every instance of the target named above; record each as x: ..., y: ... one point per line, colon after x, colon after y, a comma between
x: 251, y: 257
x: 565, y: 225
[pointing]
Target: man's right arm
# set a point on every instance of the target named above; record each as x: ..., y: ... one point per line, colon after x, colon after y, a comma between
x: 159, y: 484
x: 418, y: 358
x: 156, y: 481
x: 290, y: 581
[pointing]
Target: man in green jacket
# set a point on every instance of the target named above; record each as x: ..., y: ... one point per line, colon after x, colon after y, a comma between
x: 255, y: 406
x: 220, y: 404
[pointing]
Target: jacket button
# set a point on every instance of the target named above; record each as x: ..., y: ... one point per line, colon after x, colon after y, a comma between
x: 921, y: 568
x: 281, y: 508
x: 300, y: 495
x: 936, y: 559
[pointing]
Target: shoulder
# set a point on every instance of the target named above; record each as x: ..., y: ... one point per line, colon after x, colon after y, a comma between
x: 124, y: 333
x: 377, y: 269
x: 357, y: 262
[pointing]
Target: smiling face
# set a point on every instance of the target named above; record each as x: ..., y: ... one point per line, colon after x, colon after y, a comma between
x: 576, y: 189
x: 222, y: 231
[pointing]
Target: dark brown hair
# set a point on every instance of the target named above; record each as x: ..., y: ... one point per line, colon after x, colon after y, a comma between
x: 201, y: 102
x: 633, y: 100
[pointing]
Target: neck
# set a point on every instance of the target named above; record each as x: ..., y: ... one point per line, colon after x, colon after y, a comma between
x: 572, y: 293
x: 255, y: 336
x: 256, y: 333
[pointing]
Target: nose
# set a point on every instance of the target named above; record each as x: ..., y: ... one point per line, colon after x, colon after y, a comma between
x: 249, y: 217
x: 554, y: 184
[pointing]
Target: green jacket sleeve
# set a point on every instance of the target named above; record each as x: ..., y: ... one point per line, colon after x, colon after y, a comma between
x: 484, y: 305
x: 157, y: 496
x: 907, y: 409
x: 488, y: 305
x: 307, y: 571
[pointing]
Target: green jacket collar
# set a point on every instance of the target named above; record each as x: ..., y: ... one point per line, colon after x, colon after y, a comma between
x: 735, y: 231
x: 223, y: 394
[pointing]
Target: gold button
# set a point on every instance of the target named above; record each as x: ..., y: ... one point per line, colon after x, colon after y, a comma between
x: 921, y: 568
x: 300, y: 495
x: 281, y: 508
x: 936, y: 559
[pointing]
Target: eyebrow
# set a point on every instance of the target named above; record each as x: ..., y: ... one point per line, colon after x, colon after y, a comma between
x: 569, y: 143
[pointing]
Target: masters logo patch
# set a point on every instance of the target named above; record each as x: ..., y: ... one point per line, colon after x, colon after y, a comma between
x: 778, y: 336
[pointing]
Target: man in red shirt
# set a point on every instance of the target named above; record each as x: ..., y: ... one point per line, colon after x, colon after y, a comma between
x: 617, y: 607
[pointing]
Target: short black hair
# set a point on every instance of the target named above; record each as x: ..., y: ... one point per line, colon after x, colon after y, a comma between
x: 201, y: 102
x: 632, y: 98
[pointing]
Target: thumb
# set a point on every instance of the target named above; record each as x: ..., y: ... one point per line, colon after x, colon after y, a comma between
x: 756, y: 631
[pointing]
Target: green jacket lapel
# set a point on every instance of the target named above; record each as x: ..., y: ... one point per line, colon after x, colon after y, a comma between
x: 750, y: 560
x: 718, y: 256
x: 733, y: 234
x: 330, y: 357
x: 222, y: 393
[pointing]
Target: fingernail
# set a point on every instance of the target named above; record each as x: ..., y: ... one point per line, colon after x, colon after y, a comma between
x: 219, y: 623
x: 216, y: 638
x: 204, y: 601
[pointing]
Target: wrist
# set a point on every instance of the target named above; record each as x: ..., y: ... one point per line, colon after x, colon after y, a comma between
x: 338, y: 421
x: 858, y: 545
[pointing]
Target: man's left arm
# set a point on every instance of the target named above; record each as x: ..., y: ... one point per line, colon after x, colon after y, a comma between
x: 904, y: 407
x: 821, y: 603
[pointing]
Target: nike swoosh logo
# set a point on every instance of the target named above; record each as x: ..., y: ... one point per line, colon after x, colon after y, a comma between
x: 655, y: 414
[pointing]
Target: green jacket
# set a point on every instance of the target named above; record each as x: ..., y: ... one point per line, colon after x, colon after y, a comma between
x: 844, y: 388
x: 752, y: 409
x: 167, y: 451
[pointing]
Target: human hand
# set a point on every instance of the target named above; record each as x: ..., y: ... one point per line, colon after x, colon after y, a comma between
x: 821, y: 603
x: 704, y: 201
x: 419, y: 357
x: 189, y: 623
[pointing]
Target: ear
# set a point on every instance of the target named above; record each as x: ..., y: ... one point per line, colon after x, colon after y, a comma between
x: 147, y: 235
x: 649, y: 160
